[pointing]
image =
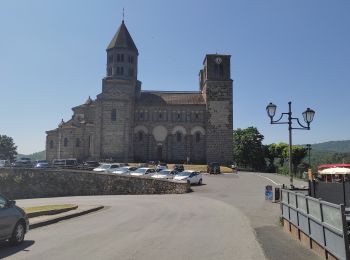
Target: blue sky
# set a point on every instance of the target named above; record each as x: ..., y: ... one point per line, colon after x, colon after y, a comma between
x: 52, y: 57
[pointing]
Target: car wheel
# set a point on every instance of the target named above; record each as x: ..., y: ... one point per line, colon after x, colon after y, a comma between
x: 200, y: 182
x: 18, y: 234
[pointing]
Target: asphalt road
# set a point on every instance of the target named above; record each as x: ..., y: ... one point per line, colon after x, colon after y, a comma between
x: 226, y: 218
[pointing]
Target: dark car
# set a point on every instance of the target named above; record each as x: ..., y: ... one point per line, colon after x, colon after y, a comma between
x: 14, y: 222
x: 213, y: 168
x: 179, y: 167
x: 89, y: 165
x: 42, y: 165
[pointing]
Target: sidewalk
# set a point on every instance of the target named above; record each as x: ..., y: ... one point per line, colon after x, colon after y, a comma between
x: 44, y: 220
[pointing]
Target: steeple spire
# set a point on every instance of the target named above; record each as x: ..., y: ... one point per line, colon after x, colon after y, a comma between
x: 122, y: 39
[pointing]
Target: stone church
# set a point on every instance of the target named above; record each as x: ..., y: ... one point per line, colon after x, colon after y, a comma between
x: 128, y: 124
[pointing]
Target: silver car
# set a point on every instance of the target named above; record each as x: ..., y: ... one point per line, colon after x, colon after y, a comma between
x: 165, y: 174
x: 14, y: 222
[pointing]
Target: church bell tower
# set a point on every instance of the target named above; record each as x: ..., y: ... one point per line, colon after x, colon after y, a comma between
x: 216, y: 87
x: 116, y: 103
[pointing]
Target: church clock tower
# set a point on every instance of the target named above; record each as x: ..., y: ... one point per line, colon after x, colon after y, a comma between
x: 216, y: 87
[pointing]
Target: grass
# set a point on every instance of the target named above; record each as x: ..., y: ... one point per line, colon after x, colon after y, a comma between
x: 47, y: 208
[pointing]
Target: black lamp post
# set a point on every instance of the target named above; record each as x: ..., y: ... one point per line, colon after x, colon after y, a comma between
x: 308, y: 147
x: 308, y: 116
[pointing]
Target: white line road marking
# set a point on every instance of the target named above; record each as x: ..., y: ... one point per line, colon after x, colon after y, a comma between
x: 276, y: 183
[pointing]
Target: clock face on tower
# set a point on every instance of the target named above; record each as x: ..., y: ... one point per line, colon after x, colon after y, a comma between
x: 218, y: 60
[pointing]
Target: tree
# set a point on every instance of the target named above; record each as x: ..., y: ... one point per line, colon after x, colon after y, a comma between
x: 248, y: 150
x: 298, y: 153
x: 7, y: 148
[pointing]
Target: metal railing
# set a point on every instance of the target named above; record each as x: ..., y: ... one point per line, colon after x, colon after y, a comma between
x: 323, y: 222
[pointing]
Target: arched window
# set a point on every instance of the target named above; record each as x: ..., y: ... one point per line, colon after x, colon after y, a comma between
x: 219, y: 71
x: 77, y: 142
x: 109, y: 71
x: 140, y: 137
x: 65, y: 142
x: 198, y: 137
x: 51, y: 144
x: 120, y: 57
x: 114, y: 114
x: 178, y: 136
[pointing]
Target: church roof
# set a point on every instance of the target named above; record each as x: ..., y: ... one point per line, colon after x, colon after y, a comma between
x: 122, y: 39
x: 170, y: 98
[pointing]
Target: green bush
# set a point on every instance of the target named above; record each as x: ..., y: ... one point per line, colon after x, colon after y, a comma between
x: 283, y: 170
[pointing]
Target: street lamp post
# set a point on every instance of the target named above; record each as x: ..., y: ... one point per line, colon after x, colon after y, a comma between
x: 308, y: 116
x: 308, y: 147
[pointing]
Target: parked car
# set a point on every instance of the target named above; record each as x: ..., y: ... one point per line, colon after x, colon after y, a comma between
x: 142, y: 171
x: 89, y: 165
x: 40, y: 161
x: 13, y: 221
x: 124, y: 170
x: 213, y: 168
x: 65, y: 163
x: 106, y: 167
x: 42, y: 165
x: 179, y: 167
x: 24, y: 162
x: 191, y: 177
x: 5, y: 163
x: 161, y: 166
x: 234, y: 168
x: 164, y: 174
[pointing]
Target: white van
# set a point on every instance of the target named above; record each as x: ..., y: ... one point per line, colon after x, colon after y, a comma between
x: 65, y: 163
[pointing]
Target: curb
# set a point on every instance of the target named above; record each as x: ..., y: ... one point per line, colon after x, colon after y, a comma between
x: 50, y: 212
x: 57, y: 219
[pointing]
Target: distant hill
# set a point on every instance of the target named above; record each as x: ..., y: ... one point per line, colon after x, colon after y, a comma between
x: 333, y: 146
x: 34, y: 156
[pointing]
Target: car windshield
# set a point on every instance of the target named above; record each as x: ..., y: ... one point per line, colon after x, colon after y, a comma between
x: 58, y: 162
x: 123, y: 169
x: 184, y: 174
x: 164, y: 172
x: 141, y: 170
x: 104, y: 166
x: 41, y: 161
x: 70, y: 162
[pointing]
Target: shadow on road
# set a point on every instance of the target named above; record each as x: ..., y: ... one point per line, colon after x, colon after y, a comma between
x: 7, y: 250
x: 279, y: 246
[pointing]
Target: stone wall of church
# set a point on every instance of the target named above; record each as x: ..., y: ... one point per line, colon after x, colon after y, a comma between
x: 169, y: 133
x: 219, y: 122
x: 69, y: 142
x: 114, y: 120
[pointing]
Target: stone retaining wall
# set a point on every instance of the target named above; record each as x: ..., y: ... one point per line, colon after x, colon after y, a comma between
x: 40, y: 183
